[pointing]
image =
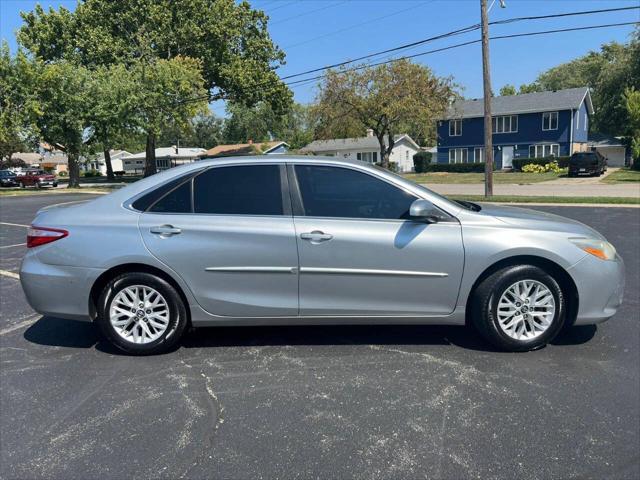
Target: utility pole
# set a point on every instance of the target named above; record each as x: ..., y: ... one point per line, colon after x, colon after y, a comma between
x: 486, y: 77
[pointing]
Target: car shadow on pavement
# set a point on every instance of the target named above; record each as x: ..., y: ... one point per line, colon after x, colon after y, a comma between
x: 58, y: 332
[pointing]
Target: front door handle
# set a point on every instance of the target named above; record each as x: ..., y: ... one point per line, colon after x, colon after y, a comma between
x: 165, y: 230
x: 316, y: 236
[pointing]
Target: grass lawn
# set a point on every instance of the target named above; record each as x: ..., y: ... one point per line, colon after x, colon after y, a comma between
x: 623, y: 175
x: 498, y: 177
x: 568, y: 200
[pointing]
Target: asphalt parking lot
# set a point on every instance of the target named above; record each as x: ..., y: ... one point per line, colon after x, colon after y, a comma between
x: 318, y: 402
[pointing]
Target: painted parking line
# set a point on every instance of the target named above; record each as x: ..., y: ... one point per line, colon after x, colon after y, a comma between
x: 14, y: 245
x: 9, y: 274
x: 14, y: 224
x: 25, y: 323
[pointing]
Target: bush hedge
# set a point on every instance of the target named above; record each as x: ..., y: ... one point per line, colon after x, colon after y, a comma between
x: 518, y: 163
x: 421, y: 159
x: 454, y: 167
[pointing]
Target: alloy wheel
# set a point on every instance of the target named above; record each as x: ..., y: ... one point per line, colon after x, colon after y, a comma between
x: 139, y: 314
x: 526, y: 310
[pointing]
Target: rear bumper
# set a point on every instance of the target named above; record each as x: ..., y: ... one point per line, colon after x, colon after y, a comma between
x: 57, y: 290
x: 600, y: 288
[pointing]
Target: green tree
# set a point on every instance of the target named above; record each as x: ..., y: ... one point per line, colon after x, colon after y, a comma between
x: 631, y: 99
x: 204, y: 130
x: 399, y: 97
x: 164, y: 98
x: 63, y: 93
x: 507, y: 90
x: 249, y: 123
x: 607, y: 73
x: 111, y: 107
x: 238, y: 56
x: 18, y: 104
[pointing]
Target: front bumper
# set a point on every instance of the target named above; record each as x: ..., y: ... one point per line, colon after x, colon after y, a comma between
x: 57, y: 290
x: 600, y: 287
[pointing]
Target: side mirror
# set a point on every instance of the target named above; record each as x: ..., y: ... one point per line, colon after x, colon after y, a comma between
x: 424, y: 210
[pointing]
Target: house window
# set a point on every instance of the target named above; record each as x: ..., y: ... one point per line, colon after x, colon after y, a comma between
x: 455, y: 128
x: 478, y: 155
x: 543, y: 151
x: 585, y: 122
x: 162, y: 163
x: 577, y: 120
x: 550, y: 121
x: 369, y: 157
x: 505, y: 124
x: 458, y: 155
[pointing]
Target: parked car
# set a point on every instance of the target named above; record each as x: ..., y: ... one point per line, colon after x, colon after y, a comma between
x: 587, y: 163
x: 303, y: 240
x: 8, y: 179
x: 37, y: 178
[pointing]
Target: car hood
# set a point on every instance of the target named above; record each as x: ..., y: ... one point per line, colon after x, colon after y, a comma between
x: 535, y: 219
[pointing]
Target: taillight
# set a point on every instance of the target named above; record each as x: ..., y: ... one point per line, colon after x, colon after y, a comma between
x: 41, y: 235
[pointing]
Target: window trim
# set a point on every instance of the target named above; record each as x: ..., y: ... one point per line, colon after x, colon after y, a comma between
x: 287, y: 210
x: 543, y: 145
x: 298, y: 207
x: 460, y: 149
x: 557, y: 115
x: 481, y: 150
x: 454, y: 122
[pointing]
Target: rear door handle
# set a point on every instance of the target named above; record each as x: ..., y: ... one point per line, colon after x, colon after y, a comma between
x: 165, y: 230
x: 316, y: 236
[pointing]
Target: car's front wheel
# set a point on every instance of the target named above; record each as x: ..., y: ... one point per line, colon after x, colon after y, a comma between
x: 141, y: 313
x: 518, y: 308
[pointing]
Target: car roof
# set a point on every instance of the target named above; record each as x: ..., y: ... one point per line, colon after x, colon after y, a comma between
x: 279, y: 158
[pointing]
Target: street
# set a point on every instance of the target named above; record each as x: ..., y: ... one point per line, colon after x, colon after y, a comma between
x: 317, y: 402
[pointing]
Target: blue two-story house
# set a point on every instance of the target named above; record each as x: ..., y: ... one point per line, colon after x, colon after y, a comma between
x: 529, y: 125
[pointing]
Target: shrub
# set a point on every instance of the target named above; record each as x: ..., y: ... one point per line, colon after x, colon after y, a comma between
x: 547, y: 167
x: 92, y: 173
x: 421, y: 159
x: 518, y: 163
x: 62, y: 174
x: 119, y: 173
x: 393, y: 166
x: 454, y: 167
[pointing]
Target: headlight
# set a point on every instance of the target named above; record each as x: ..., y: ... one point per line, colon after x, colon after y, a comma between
x: 598, y: 248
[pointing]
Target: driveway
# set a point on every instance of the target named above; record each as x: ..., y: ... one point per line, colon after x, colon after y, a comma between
x: 370, y: 402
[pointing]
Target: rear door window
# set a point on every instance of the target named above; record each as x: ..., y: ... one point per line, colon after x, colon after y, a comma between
x: 239, y: 190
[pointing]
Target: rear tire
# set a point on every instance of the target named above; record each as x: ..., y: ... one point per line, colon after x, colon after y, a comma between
x: 538, y: 313
x: 141, y: 314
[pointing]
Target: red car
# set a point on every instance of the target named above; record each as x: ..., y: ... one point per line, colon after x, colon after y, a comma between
x: 37, y: 178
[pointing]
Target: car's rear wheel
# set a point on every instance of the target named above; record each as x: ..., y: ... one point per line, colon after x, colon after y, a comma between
x: 519, y: 308
x: 141, y: 313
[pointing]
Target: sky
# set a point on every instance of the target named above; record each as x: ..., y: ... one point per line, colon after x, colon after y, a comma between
x: 314, y: 33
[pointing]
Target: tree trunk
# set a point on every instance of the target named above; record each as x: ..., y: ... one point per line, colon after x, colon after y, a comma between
x: 384, y: 156
x: 74, y: 169
x: 107, y: 162
x: 150, y: 157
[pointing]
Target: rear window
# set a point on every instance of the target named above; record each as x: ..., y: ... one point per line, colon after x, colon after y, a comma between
x: 583, y: 158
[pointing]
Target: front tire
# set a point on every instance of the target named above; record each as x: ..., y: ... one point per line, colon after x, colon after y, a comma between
x: 518, y: 308
x: 141, y: 314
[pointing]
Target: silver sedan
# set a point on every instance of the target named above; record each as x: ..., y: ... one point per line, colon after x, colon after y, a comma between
x: 277, y: 240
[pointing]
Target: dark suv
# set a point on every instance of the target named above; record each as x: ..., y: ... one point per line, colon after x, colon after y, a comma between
x: 587, y: 163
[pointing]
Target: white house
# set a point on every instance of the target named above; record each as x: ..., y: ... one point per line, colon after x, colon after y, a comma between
x: 166, y: 157
x: 367, y: 149
x: 117, y: 157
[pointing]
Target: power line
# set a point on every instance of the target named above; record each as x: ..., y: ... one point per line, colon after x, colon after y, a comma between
x: 467, y: 29
x: 445, y: 35
x: 470, y: 42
